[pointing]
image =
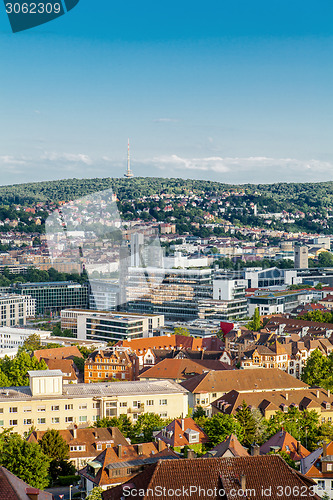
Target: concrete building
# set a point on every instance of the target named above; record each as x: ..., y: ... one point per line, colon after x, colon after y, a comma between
x: 46, y: 402
x: 109, y: 326
x: 301, y: 257
x: 15, y: 310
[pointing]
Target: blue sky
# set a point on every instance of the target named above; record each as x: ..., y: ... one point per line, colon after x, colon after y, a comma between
x: 234, y: 91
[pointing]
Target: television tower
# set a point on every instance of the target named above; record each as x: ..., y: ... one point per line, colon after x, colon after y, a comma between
x: 129, y: 173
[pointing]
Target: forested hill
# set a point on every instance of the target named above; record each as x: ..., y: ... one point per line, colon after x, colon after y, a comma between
x: 285, y: 196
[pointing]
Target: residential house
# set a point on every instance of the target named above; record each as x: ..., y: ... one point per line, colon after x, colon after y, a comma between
x: 218, y: 478
x: 183, y: 433
x: 283, y: 441
x: 269, y: 402
x: 210, y: 386
x: 181, y: 369
x: 318, y: 466
x: 114, y: 363
x: 119, y: 464
x: 85, y: 444
x: 230, y: 447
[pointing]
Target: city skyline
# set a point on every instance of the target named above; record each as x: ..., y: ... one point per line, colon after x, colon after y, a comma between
x: 233, y: 94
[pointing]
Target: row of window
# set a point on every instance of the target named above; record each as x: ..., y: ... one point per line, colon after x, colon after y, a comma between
x: 54, y: 420
x: 70, y: 406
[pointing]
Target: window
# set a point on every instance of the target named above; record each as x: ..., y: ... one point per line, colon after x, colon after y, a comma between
x: 1, y: 422
x: 80, y: 447
x: 96, y: 405
x: 13, y: 409
x: 1, y: 410
x: 123, y: 404
x: 83, y: 407
x: 214, y: 395
x: 69, y: 419
x: 321, y: 485
x: 136, y: 404
x: 55, y: 420
x: 329, y: 467
x: 27, y: 421
x: 27, y: 409
x: 150, y: 402
x: 163, y: 414
x: 95, y: 418
x: 41, y: 420
x: 163, y: 401
x: 83, y: 418
x: 12, y: 422
x: 55, y: 408
x: 98, y: 447
x: 41, y: 408
x: 68, y: 407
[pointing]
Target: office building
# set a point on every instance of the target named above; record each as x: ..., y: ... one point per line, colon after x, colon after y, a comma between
x: 54, y: 295
x: 15, y: 310
x: 109, y: 326
x: 301, y: 257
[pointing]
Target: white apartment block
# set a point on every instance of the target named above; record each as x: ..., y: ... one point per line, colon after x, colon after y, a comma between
x: 15, y: 309
x: 109, y: 326
x: 12, y: 338
x: 47, y: 403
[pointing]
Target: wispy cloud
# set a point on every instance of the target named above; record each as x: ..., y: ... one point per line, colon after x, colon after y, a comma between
x: 166, y: 120
x: 67, y: 157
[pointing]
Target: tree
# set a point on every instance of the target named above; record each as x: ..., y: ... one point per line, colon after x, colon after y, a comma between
x: 219, y: 426
x: 246, y: 420
x: 32, y: 343
x: 198, y: 413
x: 146, y: 424
x: 317, y: 370
x: 286, y: 458
x: 325, y: 259
x: 255, y: 323
x: 122, y: 422
x: 96, y: 494
x: 180, y: 330
x: 16, y: 370
x: 54, y: 445
x: 23, y: 459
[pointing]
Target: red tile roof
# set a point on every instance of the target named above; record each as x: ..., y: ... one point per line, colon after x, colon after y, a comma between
x: 183, y: 368
x: 214, y: 475
x: 287, y: 443
x: 13, y: 488
x: 58, y: 353
x: 175, y: 434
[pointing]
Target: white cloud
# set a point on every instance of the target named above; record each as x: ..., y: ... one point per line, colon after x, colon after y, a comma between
x: 253, y: 165
x: 165, y: 120
x: 69, y: 157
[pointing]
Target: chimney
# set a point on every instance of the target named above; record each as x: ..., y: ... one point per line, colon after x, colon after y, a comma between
x: 32, y: 493
x: 242, y: 478
x: 75, y: 431
x: 160, y: 445
x: 255, y: 450
x: 317, y: 393
x: 287, y: 396
x: 191, y: 454
x: 298, y: 447
x: 324, y: 449
x: 120, y: 451
x: 183, y: 424
x: 140, y: 449
x: 328, y: 393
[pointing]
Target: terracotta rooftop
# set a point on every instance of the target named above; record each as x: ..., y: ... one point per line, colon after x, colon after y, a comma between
x: 176, y: 433
x: 287, y: 443
x: 183, y: 368
x: 58, y: 353
x: 89, y: 437
x: 215, y: 474
x: 263, y: 379
x: 230, y: 445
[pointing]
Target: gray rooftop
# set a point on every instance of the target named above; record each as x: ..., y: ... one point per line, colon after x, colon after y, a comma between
x: 45, y: 373
x: 104, y: 389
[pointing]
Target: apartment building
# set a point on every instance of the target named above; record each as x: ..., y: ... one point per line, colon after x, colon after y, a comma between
x: 15, y: 310
x: 109, y: 326
x: 47, y: 402
x: 114, y: 363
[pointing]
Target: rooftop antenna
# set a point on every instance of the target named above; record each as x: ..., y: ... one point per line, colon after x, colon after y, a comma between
x: 129, y: 173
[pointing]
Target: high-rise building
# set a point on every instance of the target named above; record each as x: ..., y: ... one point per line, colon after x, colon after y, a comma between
x: 301, y: 257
